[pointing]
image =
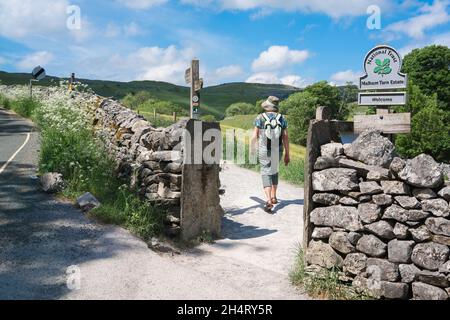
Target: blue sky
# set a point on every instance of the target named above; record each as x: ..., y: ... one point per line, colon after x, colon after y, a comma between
x: 295, y: 42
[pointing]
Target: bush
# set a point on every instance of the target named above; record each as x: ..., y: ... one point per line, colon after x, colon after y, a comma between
x: 241, y: 108
x: 25, y: 106
x: 5, y: 102
x: 209, y: 118
x: 301, y: 108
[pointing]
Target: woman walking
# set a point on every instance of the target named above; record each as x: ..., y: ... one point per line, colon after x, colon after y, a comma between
x: 272, y: 136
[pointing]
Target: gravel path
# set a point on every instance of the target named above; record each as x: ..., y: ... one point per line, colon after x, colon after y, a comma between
x: 40, y: 237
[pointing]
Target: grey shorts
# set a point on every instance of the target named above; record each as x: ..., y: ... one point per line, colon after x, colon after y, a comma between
x: 270, y: 180
x: 269, y: 174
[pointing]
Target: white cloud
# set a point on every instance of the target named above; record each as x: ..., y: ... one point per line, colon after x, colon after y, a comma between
x: 272, y: 78
x: 112, y: 30
x: 415, y: 27
x: 332, y: 8
x: 342, y: 77
x: 294, y: 81
x: 142, y: 4
x: 228, y: 71
x: 439, y: 39
x: 277, y: 57
x: 32, y: 60
x: 2, y: 60
x: 154, y: 63
x: 21, y: 18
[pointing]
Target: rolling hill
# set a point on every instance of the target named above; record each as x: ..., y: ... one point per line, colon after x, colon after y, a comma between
x: 215, y: 99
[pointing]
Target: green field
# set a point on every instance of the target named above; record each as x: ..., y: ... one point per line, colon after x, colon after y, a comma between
x: 215, y: 99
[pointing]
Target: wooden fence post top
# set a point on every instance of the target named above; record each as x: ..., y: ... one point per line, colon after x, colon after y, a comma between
x: 323, y: 113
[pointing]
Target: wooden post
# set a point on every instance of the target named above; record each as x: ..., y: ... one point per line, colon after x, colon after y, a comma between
x: 71, y: 81
x: 174, y: 116
x: 154, y: 113
x: 195, y: 97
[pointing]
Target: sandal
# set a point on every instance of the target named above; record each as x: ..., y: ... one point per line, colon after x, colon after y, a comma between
x: 274, y: 200
x: 268, y: 207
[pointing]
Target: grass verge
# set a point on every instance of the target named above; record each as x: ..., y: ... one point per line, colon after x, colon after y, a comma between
x: 69, y: 147
x: 322, y: 285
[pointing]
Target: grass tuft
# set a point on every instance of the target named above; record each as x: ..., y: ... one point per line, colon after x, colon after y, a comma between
x: 322, y: 285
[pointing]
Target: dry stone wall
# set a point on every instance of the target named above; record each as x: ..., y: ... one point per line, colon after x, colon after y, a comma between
x: 382, y: 220
x: 150, y: 160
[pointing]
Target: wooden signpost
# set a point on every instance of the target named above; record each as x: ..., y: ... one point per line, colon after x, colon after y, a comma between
x: 192, y: 77
x: 71, y: 81
x: 379, y: 87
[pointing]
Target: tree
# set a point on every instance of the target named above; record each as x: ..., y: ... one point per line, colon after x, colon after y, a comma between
x: 430, y: 127
x: 209, y: 118
x: 240, y: 108
x: 301, y: 108
x: 134, y: 100
x: 428, y: 68
x: 348, y: 95
x: 328, y: 96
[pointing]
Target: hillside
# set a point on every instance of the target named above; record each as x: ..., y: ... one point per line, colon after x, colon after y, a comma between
x: 215, y: 99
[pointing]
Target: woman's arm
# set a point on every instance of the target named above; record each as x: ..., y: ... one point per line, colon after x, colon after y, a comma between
x: 287, y: 157
x: 254, y: 140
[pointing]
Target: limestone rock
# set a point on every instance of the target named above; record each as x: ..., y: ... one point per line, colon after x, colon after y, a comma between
x: 52, y: 182
x: 396, y: 212
x: 366, y: 171
x: 371, y: 245
x: 382, y: 229
x: 348, y: 201
x: 87, y: 202
x: 407, y: 202
x: 423, y: 291
x: 433, y: 278
x: 439, y: 226
x: 445, y: 193
x: 417, y: 215
x: 424, y: 194
x: 335, y: 179
x: 322, y: 254
x: 397, y: 165
x: 370, y: 187
x: 371, y: 148
x: 388, y: 271
x: 337, y: 216
x: 441, y: 239
x: 430, y: 255
x: 353, y: 237
x: 395, y: 187
x: 327, y: 199
x: 339, y: 242
x: 321, y: 233
x: 355, y: 263
x: 382, y: 199
x: 369, y: 212
x: 325, y: 163
x: 408, y: 272
x: 400, y: 231
x: 420, y: 234
x: 438, y: 207
x: 422, y: 172
x: 445, y: 268
x: 400, y: 251
x: 378, y: 175
x: 332, y: 150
